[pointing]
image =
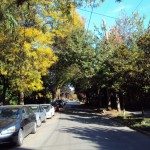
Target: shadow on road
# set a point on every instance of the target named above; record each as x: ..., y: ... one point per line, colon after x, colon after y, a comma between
x: 86, y: 117
x: 104, y: 132
x: 9, y: 146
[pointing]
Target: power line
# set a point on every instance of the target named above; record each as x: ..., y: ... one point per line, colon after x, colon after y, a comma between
x: 138, y: 5
x: 98, y: 13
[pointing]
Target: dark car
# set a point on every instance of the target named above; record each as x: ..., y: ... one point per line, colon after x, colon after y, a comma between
x: 58, y: 104
x: 55, y: 105
x: 16, y: 122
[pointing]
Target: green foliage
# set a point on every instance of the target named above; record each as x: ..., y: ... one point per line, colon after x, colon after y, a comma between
x: 123, y: 61
x: 76, y: 58
x: 31, y: 30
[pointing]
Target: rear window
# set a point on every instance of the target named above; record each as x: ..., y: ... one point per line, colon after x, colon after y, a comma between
x: 46, y: 107
x: 34, y: 108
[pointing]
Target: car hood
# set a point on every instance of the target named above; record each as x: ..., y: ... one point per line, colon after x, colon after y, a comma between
x: 6, y: 122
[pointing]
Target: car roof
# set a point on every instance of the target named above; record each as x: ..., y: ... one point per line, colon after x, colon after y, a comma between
x: 12, y: 106
x: 32, y: 105
x: 46, y: 104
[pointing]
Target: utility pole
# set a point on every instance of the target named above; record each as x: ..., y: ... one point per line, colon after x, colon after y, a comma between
x: 104, y: 28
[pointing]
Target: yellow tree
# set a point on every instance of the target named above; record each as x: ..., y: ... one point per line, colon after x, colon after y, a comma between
x: 27, y: 36
x: 26, y: 52
x: 26, y: 59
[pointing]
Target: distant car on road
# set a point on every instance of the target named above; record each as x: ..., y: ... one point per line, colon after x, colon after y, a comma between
x: 58, y: 104
x: 16, y: 122
x: 40, y: 113
x: 72, y: 105
x: 50, y: 110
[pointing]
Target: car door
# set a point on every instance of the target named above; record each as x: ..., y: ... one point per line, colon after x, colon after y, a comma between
x: 32, y: 118
x: 25, y: 121
x: 42, y: 112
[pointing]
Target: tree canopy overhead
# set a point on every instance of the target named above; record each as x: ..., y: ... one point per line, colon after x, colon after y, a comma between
x: 44, y: 45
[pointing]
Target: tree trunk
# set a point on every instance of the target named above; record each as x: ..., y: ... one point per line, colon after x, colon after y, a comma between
x: 142, y: 108
x: 58, y: 93
x: 53, y: 94
x: 108, y: 100
x: 5, y: 85
x: 21, y: 98
x: 123, y: 106
x: 118, y: 102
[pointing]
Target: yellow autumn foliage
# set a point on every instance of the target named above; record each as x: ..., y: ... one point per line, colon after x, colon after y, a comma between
x: 26, y: 51
x: 2, y: 37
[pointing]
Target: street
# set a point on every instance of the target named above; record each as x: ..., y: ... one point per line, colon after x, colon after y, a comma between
x: 80, y: 130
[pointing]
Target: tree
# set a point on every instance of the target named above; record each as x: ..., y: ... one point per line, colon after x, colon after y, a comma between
x: 26, y: 50
x: 76, y: 58
x: 118, y: 61
x: 25, y: 59
x: 121, y: 70
x: 28, y: 30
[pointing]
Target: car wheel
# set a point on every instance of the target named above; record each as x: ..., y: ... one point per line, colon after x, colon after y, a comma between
x: 34, y: 128
x: 39, y: 122
x: 20, y: 138
x: 44, y: 119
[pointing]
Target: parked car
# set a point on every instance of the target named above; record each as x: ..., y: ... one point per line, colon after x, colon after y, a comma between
x: 58, y: 104
x: 39, y: 112
x: 16, y: 122
x: 50, y: 111
x: 61, y: 102
x: 55, y: 105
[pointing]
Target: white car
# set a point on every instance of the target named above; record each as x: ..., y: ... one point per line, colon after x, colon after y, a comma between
x: 50, y: 110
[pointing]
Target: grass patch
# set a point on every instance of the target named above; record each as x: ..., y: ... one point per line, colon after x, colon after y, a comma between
x: 135, y: 122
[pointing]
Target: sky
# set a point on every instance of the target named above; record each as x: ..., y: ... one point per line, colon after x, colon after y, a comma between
x: 110, y: 10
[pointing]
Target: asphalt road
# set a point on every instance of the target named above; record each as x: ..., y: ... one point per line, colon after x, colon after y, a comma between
x: 80, y: 130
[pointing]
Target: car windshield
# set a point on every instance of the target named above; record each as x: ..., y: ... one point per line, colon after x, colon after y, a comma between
x: 12, y: 113
x: 46, y: 107
x: 34, y: 108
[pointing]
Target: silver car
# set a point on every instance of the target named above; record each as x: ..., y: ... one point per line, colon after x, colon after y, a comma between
x: 39, y: 112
